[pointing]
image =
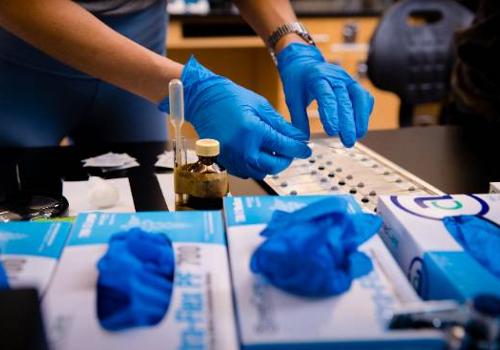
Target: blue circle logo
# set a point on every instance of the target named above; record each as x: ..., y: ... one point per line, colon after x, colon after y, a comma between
x: 437, y: 207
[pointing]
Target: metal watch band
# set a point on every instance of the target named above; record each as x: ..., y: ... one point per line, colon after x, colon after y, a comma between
x: 289, y: 28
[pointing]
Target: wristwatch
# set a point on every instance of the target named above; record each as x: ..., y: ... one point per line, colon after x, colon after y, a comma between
x: 295, y: 28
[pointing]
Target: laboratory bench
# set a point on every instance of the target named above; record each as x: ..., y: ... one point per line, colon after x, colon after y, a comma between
x: 453, y: 159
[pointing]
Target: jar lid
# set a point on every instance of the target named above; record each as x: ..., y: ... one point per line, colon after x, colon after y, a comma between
x: 207, y: 148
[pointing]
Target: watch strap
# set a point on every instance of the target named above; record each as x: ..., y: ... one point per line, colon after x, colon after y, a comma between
x: 289, y: 28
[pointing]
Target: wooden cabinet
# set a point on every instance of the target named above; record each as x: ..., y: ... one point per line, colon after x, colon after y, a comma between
x: 245, y: 60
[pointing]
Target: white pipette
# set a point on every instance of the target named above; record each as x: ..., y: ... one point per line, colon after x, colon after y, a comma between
x: 176, y: 99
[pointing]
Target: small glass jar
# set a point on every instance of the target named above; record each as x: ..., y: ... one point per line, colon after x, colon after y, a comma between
x: 201, y: 185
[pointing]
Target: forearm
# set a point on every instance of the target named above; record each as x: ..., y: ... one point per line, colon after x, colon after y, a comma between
x: 69, y: 33
x: 265, y: 16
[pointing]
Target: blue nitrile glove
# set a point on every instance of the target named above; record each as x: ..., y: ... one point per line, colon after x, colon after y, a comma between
x: 135, y: 280
x: 313, y: 251
x: 4, y: 282
x: 344, y: 106
x: 479, y: 237
x: 255, y: 140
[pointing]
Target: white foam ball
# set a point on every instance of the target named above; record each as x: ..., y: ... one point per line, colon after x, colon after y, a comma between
x: 103, y: 194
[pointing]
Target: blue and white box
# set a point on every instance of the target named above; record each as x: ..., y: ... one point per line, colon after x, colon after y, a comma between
x: 201, y: 274
x: 269, y: 318
x: 29, y: 251
x: 436, y: 264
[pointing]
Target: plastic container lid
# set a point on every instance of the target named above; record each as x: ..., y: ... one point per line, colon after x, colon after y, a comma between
x: 207, y: 148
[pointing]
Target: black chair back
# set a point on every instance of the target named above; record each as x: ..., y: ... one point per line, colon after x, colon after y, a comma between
x: 411, y: 52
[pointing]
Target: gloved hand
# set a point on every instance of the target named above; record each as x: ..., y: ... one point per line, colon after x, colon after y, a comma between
x: 4, y: 282
x: 255, y: 140
x: 479, y: 237
x: 344, y: 106
x: 313, y: 251
x: 135, y: 280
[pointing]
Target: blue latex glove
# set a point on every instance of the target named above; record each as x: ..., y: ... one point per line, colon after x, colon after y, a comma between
x: 313, y: 251
x: 344, y: 106
x: 479, y: 237
x: 135, y: 280
x: 255, y: 140
x: 4, y: 282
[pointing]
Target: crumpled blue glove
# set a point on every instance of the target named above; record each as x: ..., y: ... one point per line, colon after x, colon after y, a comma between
x: 313, y: 251
x: 479, y: 237
x: 135, y: 280
x: 255, y: 140
x: 4, y: 282
x: 344, y: 106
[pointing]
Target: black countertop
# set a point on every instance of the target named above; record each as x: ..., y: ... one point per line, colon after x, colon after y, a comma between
x: 453, y: 159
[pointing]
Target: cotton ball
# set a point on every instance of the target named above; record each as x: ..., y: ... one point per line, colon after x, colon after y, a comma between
x: 103, y: 194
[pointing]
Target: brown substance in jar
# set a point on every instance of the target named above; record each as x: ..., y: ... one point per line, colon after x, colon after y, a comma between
x: 201, y: 185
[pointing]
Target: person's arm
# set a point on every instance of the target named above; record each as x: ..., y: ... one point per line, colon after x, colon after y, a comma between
x: 344, y: 106
x: 255, y: 140
x: 69, y: 33
x: 266, y: 16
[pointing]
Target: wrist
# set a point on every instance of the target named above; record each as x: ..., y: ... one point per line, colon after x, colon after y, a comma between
x: 193, y: 75
x: 285, y: 35
x: 289, y: 39
x: 298, y: 53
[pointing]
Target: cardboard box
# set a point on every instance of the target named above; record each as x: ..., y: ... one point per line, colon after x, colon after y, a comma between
x: 200, y: 315
x: 30, y: 251
x: 434, y: 262
x: 269, y: 318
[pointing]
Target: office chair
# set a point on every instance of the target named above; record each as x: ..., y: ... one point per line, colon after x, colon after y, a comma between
x: 411, y: 52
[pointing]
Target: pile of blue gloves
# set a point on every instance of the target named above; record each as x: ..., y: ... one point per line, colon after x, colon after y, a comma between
x: 4, y: 282
x: 479, y: 237
x: 135, y: 280
x: 313, y: 252
x: 256, y: 140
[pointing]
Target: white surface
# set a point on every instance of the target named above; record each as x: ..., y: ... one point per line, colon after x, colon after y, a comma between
x: 111, y: 162
x: 270, y: 316
x: 166, y: 159
x: 109, y: 159
x: 494, y: 187
x: 166, y: 182
x: 78, y: 194
x: 359, y: 168
x: 70, y: 310
x: 32, y: 271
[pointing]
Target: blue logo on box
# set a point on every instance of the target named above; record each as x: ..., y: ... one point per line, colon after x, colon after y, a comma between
x: 437, y: 207
x: 418, y: 277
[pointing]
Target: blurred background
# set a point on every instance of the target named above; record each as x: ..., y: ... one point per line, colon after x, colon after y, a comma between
x: 221, y: 40
x: 213, y: 31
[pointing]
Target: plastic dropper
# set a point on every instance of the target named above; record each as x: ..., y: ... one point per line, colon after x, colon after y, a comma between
x: 176, y: 99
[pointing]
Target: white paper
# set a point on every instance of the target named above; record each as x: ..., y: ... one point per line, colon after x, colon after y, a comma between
x: 111, y: 162
x: 166, y: 159
x: 131, y: 164
x: 166, y: 182
x: 78, y: 195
